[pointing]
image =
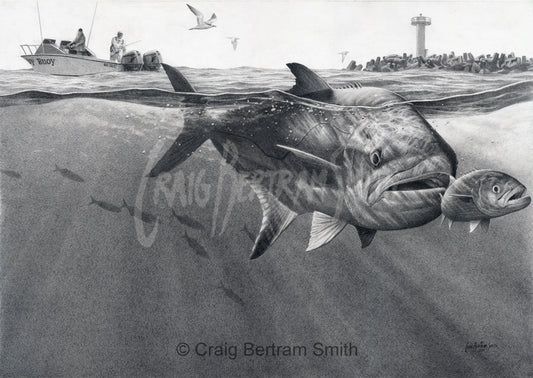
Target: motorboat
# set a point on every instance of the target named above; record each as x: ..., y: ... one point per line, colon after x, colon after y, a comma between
x: 60, y: 60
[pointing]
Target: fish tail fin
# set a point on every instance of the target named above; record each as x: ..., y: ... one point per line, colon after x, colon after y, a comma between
x: 92, y: 200
x: 124, y: 203
x: 185, y: 144
x: 178, y: 81
x: 56, y: 168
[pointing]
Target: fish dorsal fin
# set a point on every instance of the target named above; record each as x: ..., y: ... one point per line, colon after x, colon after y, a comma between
x: 309, y: 157
x: 323, y: 229
x: 353, y: 84
x: 276, y: 218
x: 366, y: 235
x: 178, y: 81
x: 307, y: 81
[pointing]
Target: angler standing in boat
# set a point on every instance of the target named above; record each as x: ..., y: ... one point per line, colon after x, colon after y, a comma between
x: 117, y: 47
x: 78, y: 45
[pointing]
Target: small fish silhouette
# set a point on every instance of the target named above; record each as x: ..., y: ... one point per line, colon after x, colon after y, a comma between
x: 231, y: 294
x: 144, y: 216
x: 106, y: 205
x: 11, y: 173
x: 197, y: 247
x: 69, y: 174
x: 188, y: 221
x: 249, y: 233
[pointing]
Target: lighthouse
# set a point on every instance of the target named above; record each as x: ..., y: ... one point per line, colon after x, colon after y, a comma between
x: 421, y: 23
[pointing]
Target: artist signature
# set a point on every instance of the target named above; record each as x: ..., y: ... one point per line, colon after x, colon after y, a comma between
x: 478, y: 347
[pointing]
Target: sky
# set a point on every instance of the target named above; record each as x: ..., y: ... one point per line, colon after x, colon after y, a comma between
x: 271, y: 33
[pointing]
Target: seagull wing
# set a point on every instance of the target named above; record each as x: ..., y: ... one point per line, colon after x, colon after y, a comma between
x: 199, y: 15
x: 212, y: 19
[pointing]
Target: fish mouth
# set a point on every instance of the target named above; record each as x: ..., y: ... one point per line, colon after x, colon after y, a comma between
x: 429, y: 185
x: 516, y: 198
x: 427, y: 181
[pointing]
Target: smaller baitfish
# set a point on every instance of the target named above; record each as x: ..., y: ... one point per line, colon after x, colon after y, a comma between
x: 481, y: 195
x: 142, y: 215
x: 65, y: 172
x: 106, y: 205
x: 10, y: 173
x: 197, y: 247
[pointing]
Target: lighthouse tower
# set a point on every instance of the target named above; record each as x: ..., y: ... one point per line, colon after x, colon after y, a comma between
x: 421, y: 23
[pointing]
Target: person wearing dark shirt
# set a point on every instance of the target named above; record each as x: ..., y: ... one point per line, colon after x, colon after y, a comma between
x: 78, y: 45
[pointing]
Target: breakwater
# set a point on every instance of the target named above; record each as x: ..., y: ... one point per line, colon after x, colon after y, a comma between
x: 466, y: 62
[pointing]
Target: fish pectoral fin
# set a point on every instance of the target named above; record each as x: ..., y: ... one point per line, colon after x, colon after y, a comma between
x: 474, y: 224
x: 442, y: 219
x: 485, y: 224
x: 307, y: 82
x: 183, y: 147
x: 461, y: 195
x: 366, y: 235
x: 276, y: 218
x: 323, y: 229
x: 310, y: 157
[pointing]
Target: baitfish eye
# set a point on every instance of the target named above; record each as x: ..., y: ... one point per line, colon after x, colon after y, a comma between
x: 375, y: 158
x: 496, y: 189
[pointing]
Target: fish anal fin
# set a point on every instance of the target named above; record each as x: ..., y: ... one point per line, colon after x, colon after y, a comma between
x: 366, y: 235
x: 307, y: 82
x: 323, y: 229
x: 276, y: 218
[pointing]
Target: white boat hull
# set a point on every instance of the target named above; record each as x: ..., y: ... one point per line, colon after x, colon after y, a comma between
x: 70, y: 65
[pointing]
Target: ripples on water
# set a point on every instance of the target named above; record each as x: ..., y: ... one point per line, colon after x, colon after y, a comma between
x: 412, y: 84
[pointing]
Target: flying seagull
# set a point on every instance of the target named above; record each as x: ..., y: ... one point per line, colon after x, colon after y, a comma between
x: 234, y: 42
x: 343, y: 54
x: 200, y: 23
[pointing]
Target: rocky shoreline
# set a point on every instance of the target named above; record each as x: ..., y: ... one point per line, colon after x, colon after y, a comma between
x: 483, y: 64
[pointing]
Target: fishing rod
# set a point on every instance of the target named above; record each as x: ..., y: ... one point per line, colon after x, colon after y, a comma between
x: 131, y: 43
x: 92, y: 23
x: 40, y: 27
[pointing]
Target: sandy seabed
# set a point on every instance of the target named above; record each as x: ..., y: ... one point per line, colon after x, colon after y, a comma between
x: 80, y: 294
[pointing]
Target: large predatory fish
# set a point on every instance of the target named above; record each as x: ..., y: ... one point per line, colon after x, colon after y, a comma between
x: 365, y: 163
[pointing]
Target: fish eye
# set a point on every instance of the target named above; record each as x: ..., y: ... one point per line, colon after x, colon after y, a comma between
x: 375, y: 158
x: 496, y: 189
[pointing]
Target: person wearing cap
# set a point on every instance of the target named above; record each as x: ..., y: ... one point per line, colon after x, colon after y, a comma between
x: 78, y: 45
x: 117, y: 47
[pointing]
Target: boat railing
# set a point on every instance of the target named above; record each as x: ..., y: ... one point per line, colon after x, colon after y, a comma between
x: 29, y: 49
